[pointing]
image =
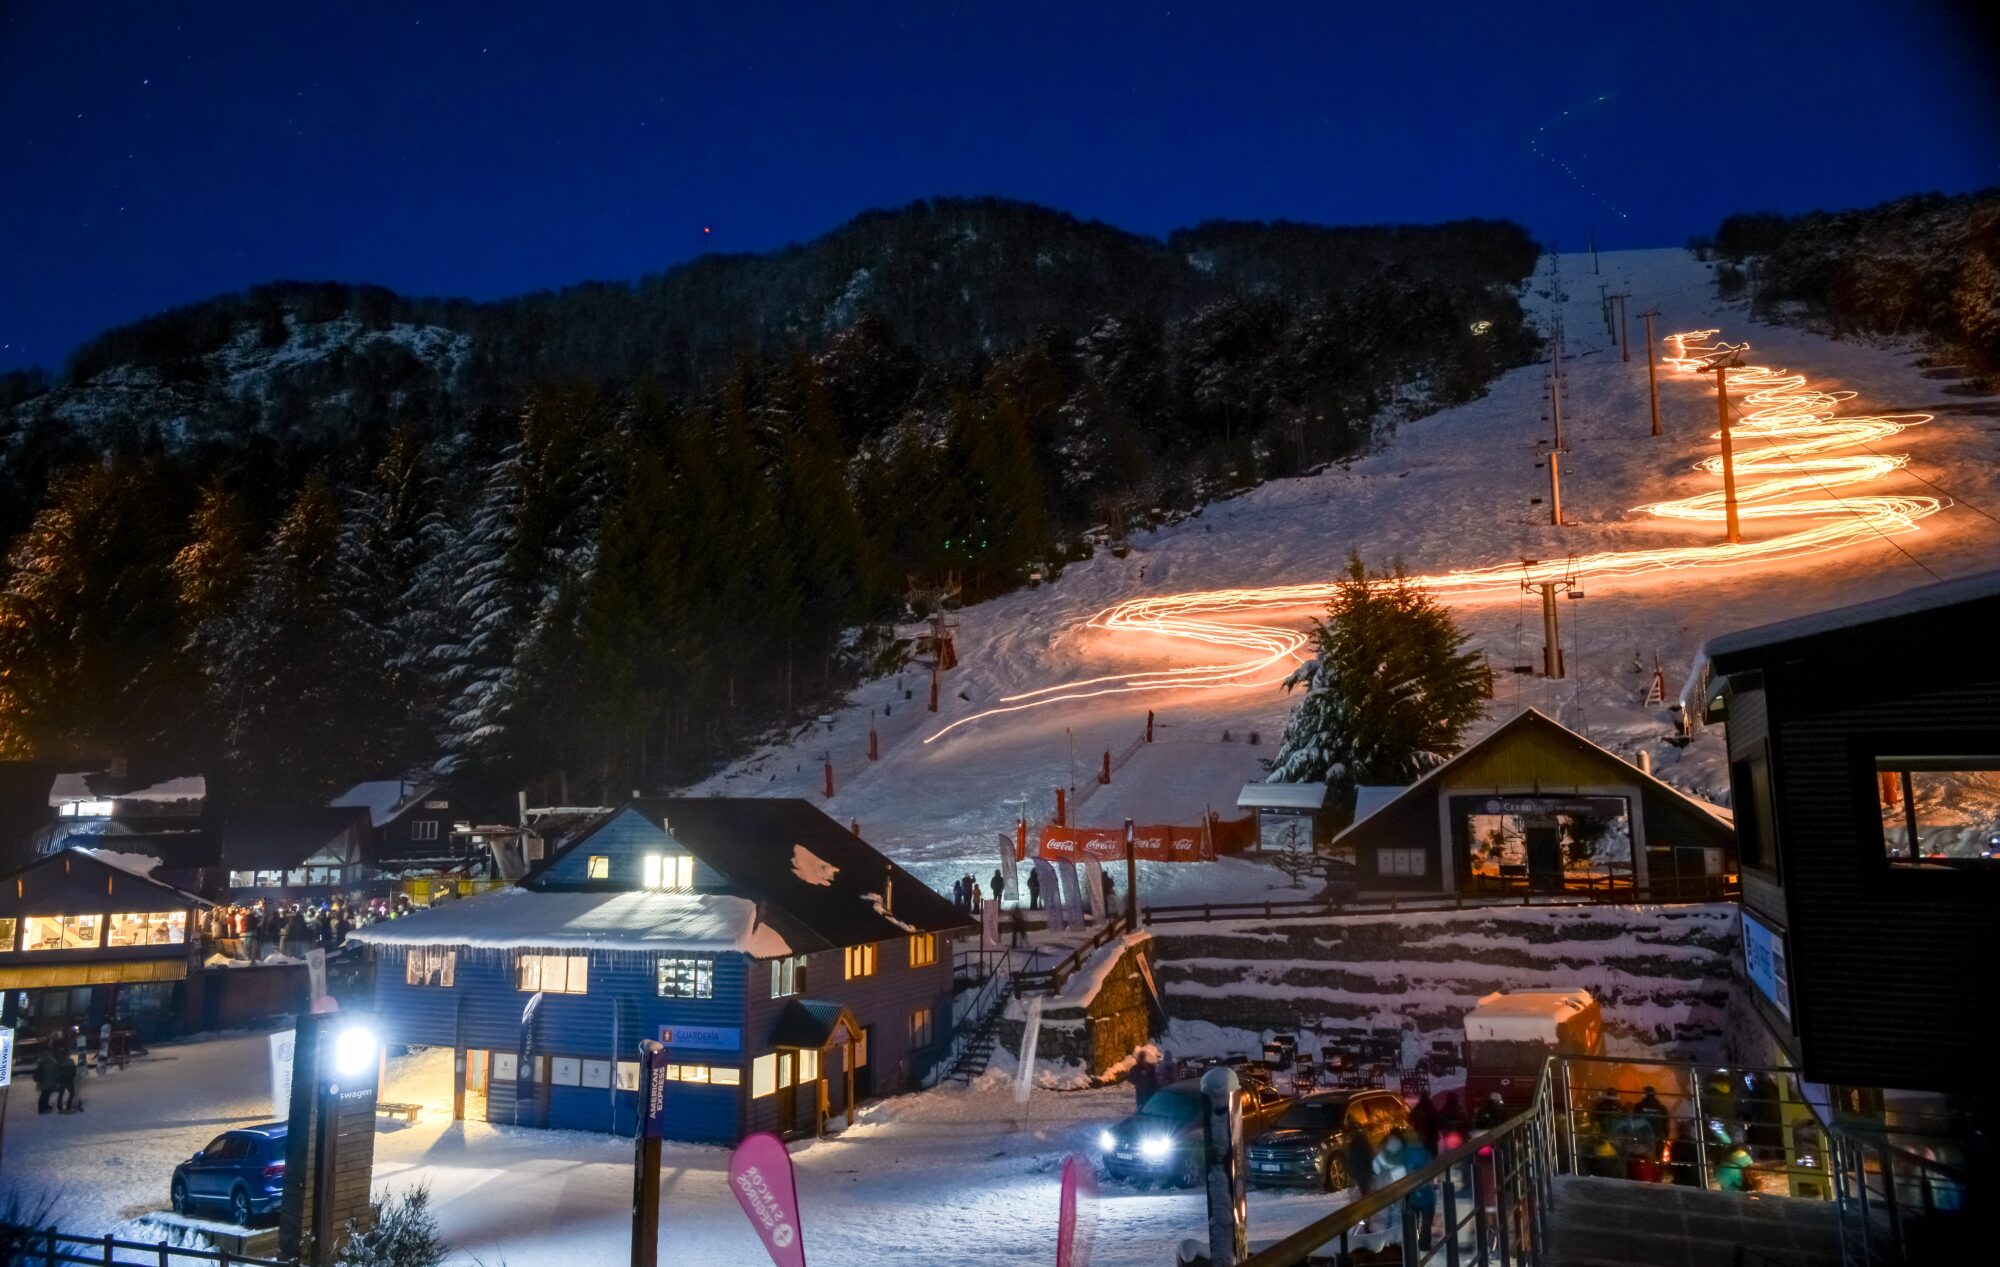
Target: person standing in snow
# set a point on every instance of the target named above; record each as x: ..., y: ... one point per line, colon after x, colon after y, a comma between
x: 1145, y: 1080
x: 65, y: 1076
x: 45, y: 1075
x: 1110, y: 889
x: 1034, y: 891
x: 999, y: 884
x: 958, y: 893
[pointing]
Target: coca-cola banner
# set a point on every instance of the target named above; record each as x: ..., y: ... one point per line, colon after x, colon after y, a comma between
x: 760, y: 1174
x: 1150, y: 843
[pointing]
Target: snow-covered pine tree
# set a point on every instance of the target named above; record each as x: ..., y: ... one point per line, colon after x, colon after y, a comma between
x: 1390, y: 692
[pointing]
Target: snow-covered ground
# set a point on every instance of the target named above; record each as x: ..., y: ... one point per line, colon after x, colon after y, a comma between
x: 1449, y: 491
x: 919, y: 1181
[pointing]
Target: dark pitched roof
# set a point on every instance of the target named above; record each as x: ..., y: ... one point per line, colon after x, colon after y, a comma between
x: 754, y: 844
x: 810, y: 1023
x: 1536, y: 719
x: 1974, y: 598
x: 279, y: 837
x: 77, y: 881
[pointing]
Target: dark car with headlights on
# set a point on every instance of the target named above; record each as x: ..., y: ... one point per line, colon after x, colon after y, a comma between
x: 1308, y: 1145
x: 1163, y: 1142
x: 241, y: 1171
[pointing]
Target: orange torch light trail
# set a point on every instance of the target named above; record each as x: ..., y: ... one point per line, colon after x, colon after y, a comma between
x: 1788, y: 466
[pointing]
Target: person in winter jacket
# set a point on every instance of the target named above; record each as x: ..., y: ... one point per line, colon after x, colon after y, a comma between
x: 1732, y: 1173
x: 1360, y: 1161
x: 65, y: 1079
x: 999, y: 884
x: 45, y: 1076
x: 1034, y: 891
x: 1423, y: 1202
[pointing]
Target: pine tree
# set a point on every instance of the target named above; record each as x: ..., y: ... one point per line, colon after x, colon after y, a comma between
x: 294, y: 663
x: 1390, y: 692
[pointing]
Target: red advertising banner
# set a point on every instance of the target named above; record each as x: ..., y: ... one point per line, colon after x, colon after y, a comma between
x: 760, y: 1174
x: 1076, y: 1220
x: 1150, y: 843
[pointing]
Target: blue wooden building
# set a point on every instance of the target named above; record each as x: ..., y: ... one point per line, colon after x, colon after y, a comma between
x: 790, y: 968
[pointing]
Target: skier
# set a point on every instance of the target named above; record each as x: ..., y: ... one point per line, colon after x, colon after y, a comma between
x: 1034, y: 891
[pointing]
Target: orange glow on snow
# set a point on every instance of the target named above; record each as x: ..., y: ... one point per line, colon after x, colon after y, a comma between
x: 1787, y: 467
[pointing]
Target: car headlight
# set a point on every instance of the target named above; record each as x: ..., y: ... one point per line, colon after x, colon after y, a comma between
x: 1106, y: 1141
x: 1154, y: 1147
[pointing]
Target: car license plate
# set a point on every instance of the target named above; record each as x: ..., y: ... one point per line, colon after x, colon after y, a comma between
x: 1269, y: 1165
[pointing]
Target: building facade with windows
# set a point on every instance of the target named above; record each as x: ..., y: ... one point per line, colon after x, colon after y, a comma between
x: 84, y: 940
x: 1534, y: 807
x: 789, y: 968
x: 1864, y: 761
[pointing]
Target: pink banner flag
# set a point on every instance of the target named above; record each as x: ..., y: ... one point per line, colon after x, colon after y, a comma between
x: 1076, y: 1223
x: 760, y: 1174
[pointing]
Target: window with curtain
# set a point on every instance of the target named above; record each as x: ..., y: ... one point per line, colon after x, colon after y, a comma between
x: 553, y: 974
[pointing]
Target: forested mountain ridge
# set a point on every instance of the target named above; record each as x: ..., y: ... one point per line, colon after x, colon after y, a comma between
x: 1926, y: 265
x: 611, y: 531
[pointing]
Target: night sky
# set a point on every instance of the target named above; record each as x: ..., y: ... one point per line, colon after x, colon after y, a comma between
x: 156, y: 153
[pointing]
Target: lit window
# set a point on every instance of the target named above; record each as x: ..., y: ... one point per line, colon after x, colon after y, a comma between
x: 61, y: 932
x: 431, y: 965
x: 242, y: 879
x: 156, y: 928
x: 714, y: 1075
x: 553, y: 974
x: 85, y: 809
x: 788, y: 976
x: 808, y: 1065
x: 7, y: 926
x: 423, y: 829
x: 658, y: 871
x: 1939, y: 812
x: 685, y: 977
x: 763, y: 1076
x: 860, y: 961
x: 923, y: 949
x: 921, y: 1033
x: 1401, y: 861
x: 598, y: 868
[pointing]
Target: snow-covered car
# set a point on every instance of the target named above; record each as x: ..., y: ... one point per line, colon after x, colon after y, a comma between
x: 1164, y: 1143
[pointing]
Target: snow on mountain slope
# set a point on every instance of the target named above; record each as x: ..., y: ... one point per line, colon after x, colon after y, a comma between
x: 1453, y: 490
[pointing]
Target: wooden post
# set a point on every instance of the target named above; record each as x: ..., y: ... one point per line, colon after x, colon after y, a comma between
x: 1728, y: 455
x: 1149, y: 725
x: 1652, y: 375
x: 874, y: 745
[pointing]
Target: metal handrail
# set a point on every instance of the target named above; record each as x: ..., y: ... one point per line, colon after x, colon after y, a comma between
x: 1312, y: 908
x: 52, y: 1247
x: 1530, y: 1127
x: 985, y: 1003
x: 1053, y: 979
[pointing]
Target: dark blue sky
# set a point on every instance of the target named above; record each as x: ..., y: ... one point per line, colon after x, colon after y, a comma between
x: 155, y: 152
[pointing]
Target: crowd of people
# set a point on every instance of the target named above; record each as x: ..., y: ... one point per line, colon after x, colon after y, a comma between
x: 968, y: 895
x: 1646, y: 1142
x: 266, y: 927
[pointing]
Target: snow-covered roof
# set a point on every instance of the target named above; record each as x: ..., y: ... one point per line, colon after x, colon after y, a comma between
x: 1369, y: 797
x: 191, y: 787
x: 1299, y: 796
x: 380, y: 797
x: 1964, y: 589
x: 1525, y: 1015
x: 507, y: 919
x: 140, y: 865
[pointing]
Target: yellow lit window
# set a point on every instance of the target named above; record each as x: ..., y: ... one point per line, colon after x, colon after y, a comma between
x: 155, y: 928
x: 553, y: 974
x: 658, y: 871
x: 923, y: 949
x: 763, y: 1076
x: 599, y: 867
x: 61, y: 932
x: 860, y: 961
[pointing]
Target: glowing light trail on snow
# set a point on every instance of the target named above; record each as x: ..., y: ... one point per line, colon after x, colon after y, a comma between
x: 1788, y: 466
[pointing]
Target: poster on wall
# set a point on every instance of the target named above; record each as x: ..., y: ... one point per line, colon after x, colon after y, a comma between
x: 1764, y: 963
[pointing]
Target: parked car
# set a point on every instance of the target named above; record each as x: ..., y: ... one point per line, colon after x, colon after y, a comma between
x: 1164, y: 1141
x: 1307, y: 1146
x: 241, y: 1171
